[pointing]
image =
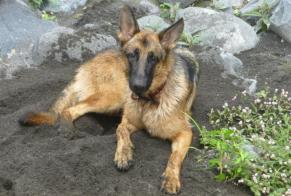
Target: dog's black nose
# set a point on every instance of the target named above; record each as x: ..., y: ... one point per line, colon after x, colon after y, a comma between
x: 138, y: 86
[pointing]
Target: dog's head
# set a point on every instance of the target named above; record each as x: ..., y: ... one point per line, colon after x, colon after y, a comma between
x: 146, y: 51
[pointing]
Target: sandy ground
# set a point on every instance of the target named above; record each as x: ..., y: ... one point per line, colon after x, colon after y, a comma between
x: 39, y: 161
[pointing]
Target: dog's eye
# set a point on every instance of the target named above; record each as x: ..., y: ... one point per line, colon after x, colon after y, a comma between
x: 133, y: 55
x: 152, y: 58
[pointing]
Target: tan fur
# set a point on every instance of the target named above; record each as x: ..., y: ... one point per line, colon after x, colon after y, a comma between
x: 101, y: 86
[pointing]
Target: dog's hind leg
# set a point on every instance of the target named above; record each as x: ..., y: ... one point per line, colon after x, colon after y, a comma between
x: 107, y: 102
x: 171, y: 177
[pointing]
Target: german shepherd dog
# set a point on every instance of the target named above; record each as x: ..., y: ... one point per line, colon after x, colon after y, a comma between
x: 153, y: 84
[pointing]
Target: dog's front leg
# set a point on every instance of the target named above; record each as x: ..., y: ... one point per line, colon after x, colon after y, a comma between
x: 124, y: 150
x: 171, y: 177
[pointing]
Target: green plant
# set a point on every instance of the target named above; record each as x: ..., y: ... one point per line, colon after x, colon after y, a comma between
x: 48, y: 16
x: 263, y: 13
x: 252, y: 144
x: 169, y: 11
x: 189, y: 40
x: 37, y: 3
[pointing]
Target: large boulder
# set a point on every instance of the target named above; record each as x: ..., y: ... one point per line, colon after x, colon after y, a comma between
x: 219, y: 29
x: 149, y: 7
x: 281, y: 20
x: 64, y: 5
x: 183, y: 3
x: 20, y: 28
x: 64, y: 44
x: 231, y: 67
x: 152, y: 22
x: 227, y: 5
x: 27, y: 41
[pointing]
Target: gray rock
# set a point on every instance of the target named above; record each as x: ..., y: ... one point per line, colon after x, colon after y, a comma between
x: 63, y: 44
x: 19, y: 25
x: 64, y: 5
x: 281, y: 20
x: 222, y: 4
x: 237, y: 3
x: 227, y: 5
x: 254, y: 4
x: 183, y: 3
x: 149, y: 7
x: 229, y: 32
x: 231, y: 66
x: 20, y: 28
x: 152, y: 22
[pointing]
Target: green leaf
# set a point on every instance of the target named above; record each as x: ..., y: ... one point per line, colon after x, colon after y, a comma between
x: 221, y: 177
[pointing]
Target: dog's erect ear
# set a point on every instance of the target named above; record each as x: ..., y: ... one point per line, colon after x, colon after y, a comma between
x: 127, y: 24
x: 169, y: 36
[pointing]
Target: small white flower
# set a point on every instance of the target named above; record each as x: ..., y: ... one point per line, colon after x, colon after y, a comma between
x: 271, y: 142
x: 241, y: 181
x: 240, y: 123
x: 263, y: 139
x: 287, y: 147
x: 244, y: 93
x: 264, y: 176
x: 265, y: 190
x: 276, y: 90
x: 225, y: 105
x: 255, y: 179
x: 283, y: 175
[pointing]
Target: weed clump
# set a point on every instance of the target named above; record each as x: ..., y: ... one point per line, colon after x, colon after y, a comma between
x: 251, y: 145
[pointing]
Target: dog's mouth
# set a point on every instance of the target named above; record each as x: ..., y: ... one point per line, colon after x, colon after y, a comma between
x: 149, y: 96
x: 134, y: 96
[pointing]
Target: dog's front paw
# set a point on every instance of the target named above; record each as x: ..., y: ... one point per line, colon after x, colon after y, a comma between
x: 170, y: 184
x: 123, y: 158
x: 68, y: 130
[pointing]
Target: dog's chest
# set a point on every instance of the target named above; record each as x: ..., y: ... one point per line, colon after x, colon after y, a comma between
x: 153, y: 117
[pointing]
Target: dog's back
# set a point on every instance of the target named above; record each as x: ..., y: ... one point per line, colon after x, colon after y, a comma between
x: 186, y: 61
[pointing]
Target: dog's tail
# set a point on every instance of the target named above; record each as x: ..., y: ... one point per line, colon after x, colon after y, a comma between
x: 64, y: 101
x: 41, y: 118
